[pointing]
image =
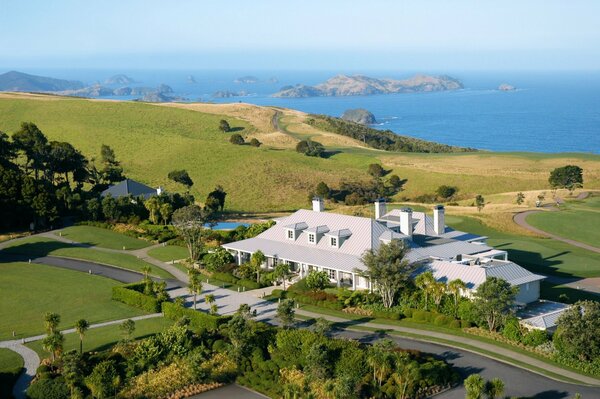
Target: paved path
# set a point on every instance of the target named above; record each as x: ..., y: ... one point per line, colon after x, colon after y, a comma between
x: 232, y: 391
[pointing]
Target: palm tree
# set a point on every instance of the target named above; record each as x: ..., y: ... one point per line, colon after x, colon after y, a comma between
x: 282, y: 271
x: 494, y: 388
x: 455, y: 287
x: 51, y: 322
x: 214, y: 309
x: 210, y: 301
x: 53, y: 343
x: 424, y: 281
x: 81, y: 326
x: 438, y: 289
x: 256, y: 261
x: 475, y: 386
x: 146, y: 270
x: 195, y: 284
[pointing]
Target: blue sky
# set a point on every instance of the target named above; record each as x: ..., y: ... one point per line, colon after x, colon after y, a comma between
x: 374, y: 34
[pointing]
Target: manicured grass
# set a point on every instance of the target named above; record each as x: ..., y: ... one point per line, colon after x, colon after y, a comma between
x: 38, y: 246
x: 104, y: 238
x: 152, y: 140
x: 169, y: 253
x: 30, y: 290
x: 101, y: 338
x: 577, y: 220
x: 541, y: 255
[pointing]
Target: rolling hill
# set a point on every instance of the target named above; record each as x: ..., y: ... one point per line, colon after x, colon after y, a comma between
x: 19, y: 81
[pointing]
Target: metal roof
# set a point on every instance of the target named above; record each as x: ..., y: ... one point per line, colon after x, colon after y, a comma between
x: 129, y: 187
x: 297, y: 226
x: 318, y: 229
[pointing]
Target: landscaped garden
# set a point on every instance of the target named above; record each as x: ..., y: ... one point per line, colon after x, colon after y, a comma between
x: 30, y: 290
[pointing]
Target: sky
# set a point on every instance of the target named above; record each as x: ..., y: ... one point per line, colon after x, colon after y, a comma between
x: 265, y: 34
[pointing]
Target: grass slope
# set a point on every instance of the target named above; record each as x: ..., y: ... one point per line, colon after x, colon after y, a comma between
x: 30, y: 290
x: 97, y: 339
x: 104, y: 238
x: 152, y: 140
x: 577, y: 220
x: 169, y: 253
x: 37, y: 246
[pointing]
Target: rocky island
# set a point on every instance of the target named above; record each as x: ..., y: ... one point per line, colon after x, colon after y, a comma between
x: 246, y: 80
x: 119, y: 79
x: 229, y: 94
x: 359, y: 115
x: 506, y: 87
x: 360, y: 85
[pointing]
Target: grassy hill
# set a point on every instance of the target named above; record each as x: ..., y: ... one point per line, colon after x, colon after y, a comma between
x: 151, y: 140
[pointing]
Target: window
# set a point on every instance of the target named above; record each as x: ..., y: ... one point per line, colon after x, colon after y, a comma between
x: 311, y: 238
x: 333, y: 241
x: 290, y: 234
x: 331, y: 273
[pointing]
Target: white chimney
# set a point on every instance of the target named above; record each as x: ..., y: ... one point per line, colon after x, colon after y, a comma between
x: 159, y: 190
x: 380, y: 208
x: 406, y: 224
x: 439, y: 222
x: 318, y: 204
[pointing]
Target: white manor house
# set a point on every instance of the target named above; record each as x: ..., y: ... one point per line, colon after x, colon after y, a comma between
x: 318, y: 240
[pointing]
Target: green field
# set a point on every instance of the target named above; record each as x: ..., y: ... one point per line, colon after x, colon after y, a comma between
x: 100, y: 237
x: 577, y: 220
x: 169, y: 253
x: 152, y: 140
x: 97, y: 339
x: 542, y: 255
x: 30, y: 290
x: 39, y: 246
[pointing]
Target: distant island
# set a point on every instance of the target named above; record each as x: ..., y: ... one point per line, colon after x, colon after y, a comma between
x: 119, y: 79
x: 19, y: 81
x: 506, y: 87
x: 247, y: 80
x: 359, y: 115
x: 360, y: 85
x: 191, y: 79
x: 228, y: 94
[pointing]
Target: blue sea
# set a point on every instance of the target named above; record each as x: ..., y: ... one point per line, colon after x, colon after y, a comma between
x: 549, y: 111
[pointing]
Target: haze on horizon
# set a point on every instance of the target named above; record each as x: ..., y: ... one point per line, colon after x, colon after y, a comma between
x: 267, y: 34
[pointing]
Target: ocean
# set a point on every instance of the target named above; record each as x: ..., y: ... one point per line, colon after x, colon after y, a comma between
x: 549, y: 112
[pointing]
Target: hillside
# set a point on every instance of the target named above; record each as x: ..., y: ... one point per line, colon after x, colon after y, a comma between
x: 359, y: 85
x: 151, y: 140
x: 19, y: 81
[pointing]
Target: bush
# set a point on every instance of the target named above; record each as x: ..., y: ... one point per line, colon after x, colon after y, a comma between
x: 387, y: 314
x: 134, y: 298
x: 236, y: 139
x: 422, y: 315
x: 535, y: 338
x: 512, y: 330
x: 465, y: 324
x: 55, y: 388
x: 199, y: 321
x: 443, y: 320
x: 249, y: 284
x: 455, y: 324
x: 310, y: 148
x: 277, y: 293
x: 225, y: 277
x: 255, y: 143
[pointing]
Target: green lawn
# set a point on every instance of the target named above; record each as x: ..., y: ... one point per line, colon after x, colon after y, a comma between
x: 542, y: 255
x: 38, y: 246
x: 577, y: 220
x: 11, y: 364
x: 169, y: 253
x: 30, y: 290
x: 104, y: 238
x: 97, y: 339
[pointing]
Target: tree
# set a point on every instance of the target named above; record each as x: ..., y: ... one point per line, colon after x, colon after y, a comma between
x: 152, y: 204
x: 455, y: 287
x: 51, y: 322
x: 322, y: 190
x: 493, y: 300
x: 286, y: 312
x: 282, y: 272
x: 104, y: 380
x: 438, y: 290
x: 63, y: 159
x: 30, y: 140
x: 479, y: 202
x: 210, y: 301
x: 569, y: 177
x: 111, y: 171
x: 194, y: 284
x: 240, y: 334
x: 520, y: 198
x: 475, y: 386
x: 388, y: 269
x: 7, y: 150
x: 224, y: 126
x: 395, y: 181
x: 255, y: 143
x: 166, y: 211
x: 376, y: 170
x: 424, y: 282
x: 446, y: 192
x: 127, y: 329
x: 322, y: 326
x: 578, y: 331
x: 237, y: 139
x: 310, y: 148
x: 81, y: 326
x: 181, y: 177
x: 380, y: 360
x: 317, y: 362
x: 256, y: 261
x: 217, y: 260
x: 317, y: 280
x: 54, y: 343
x: 189, y: 222
x: 494, y: 388
x: 215, y: 200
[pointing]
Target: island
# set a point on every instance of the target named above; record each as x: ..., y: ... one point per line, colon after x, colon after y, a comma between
x: 119, y: 79
x: 228, y: 94
x: 359, y: 115
x: 19, y: 81
x: 360, y: 85
x: 191, y: 79
x: 506, y: 87
x: 246, y: 80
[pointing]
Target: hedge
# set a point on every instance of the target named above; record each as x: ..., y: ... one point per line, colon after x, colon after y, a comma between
x: 387, y: 314
x: 199, y: 321
x: 249, y: 284
x: 225, y: 277
x: 316, y: 302
x: 130, y: 296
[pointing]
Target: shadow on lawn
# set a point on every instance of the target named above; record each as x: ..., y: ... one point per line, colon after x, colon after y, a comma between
x: 30, y: 250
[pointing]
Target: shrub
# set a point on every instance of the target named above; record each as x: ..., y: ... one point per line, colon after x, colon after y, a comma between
x: 224, y: 126
x: 277, y: 293
x: 446, y: 192
x: 465, y: 324
x: 387, y: 314
x: 249, y: 284
x: 255, y: 143
x: 455, y: 324
x: 199, y: 321
x: 236, y: 139
x: 137, y: 299
x: 535, y: 338
x: 317, y: 280
x: 225, y: 277
x: 512, y: 330
x: 55, y: 388
x: 443, y: 320
x: 422, y: 315
x: 310, y: 148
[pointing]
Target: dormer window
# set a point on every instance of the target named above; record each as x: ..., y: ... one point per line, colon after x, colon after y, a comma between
x: 290, y: 234
x: 334, y: 241
x: 311, y: 238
